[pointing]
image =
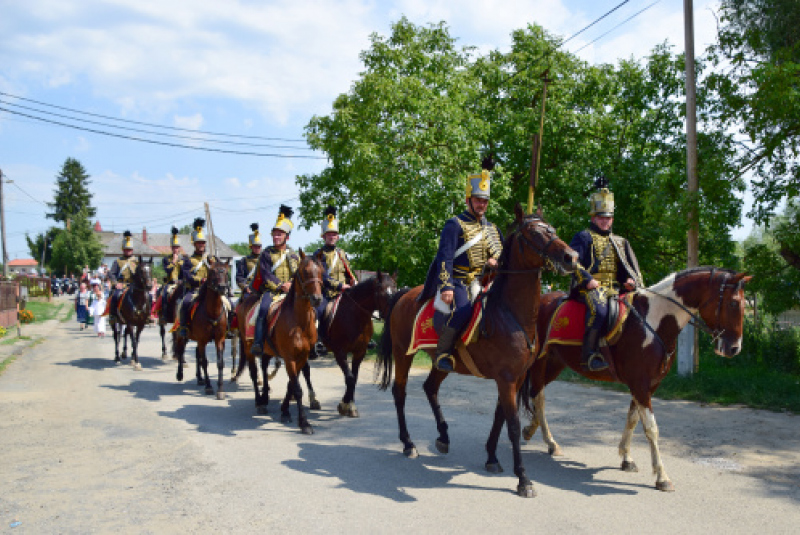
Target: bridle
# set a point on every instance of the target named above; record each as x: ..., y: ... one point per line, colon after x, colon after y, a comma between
x: 140, y: 267
x: 377, y: 292
x: 215, y: 286
x: 303, y: 283
x: 522, y: 239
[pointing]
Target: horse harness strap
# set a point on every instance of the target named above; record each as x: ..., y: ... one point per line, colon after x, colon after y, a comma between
x: 667, y: 353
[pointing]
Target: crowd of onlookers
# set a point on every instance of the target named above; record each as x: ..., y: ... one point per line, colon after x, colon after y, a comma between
x: 91, y: 298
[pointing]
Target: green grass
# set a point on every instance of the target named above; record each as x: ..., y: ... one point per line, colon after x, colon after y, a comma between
x: 43, y: 311
x: 10, y: 340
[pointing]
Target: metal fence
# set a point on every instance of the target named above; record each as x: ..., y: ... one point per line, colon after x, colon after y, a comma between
x: 36, y: 286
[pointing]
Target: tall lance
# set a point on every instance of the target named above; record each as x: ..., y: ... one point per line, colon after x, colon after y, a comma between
x: 536, y: 146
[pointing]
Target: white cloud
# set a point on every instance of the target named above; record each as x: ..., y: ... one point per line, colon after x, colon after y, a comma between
x: 82, y: 145
x: 233, y: 182
x: 192, y: 122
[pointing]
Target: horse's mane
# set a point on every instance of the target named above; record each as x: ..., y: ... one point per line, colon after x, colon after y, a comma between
x: 357, y: 291
x: 667, y: 281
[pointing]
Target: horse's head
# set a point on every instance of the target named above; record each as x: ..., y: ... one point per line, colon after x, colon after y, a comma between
x: 723, y: 310
x: 142, y: 276
x: 308, y: 279
x: 540, y: 245
x: 218, y: 277
x: 385, y: 287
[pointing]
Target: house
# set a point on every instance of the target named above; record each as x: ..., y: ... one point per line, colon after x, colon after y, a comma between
x: 23, y: 266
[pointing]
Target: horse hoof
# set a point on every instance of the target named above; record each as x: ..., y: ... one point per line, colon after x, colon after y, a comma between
x: 179, y: 375
x: 220, y: 395
x: 411, y: 452
x: 234, y: 379
x: 353, y: 412
x: 665, y: 486
x: 315, y: 406
x: 525, y: 490
x: 528, y: 431
x: 137, y: 366
x: 261, y: 409
x: 494, y: 468
x: 209, y: 390
x: 307, y: 430
x: 200, y: 382
x: 629, y: 466
x: 555, y: 451
x: 342, y: 408
x: 442, y: 446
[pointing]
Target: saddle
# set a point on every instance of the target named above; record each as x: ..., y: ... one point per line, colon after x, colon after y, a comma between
x: 330, y: 312
x: 567, y: 325
x: 111, y: 302
x: 272, y: 316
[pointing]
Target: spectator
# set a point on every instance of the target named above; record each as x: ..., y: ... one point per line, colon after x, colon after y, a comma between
x: 82, y: 305
x: 98, y: 308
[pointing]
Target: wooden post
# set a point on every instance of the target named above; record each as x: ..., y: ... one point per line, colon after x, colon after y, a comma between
x: 211, y: 238
x: 536, y: 148
x: 3, y: 226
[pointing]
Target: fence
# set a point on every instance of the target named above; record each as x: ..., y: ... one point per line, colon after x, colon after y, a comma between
x: 8, y: 303
x: 37, y: 286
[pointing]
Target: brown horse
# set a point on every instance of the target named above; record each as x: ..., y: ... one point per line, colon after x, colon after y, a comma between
x: 507, y: 345
x: 351, y: 330
x: 292, y: 337
x: 210, y: 322
x: 168, y: 313
x: 133, y: 312
x: 646, y: 348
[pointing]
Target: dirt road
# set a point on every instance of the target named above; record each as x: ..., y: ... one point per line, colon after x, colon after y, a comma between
x: 88, y: 446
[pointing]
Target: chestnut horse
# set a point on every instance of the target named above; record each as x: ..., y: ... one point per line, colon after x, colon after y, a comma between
x: 292, y: 336
x: 507, y: 345
x: 133, y: 312
x: 210, y: 322
x: 713, y: 298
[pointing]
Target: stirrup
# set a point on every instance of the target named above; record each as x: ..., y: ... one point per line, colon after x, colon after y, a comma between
x: 445, y: 363
x: 257, y: 349
x: 596, y: 363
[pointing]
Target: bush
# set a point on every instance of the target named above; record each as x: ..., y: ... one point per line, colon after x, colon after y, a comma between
x: 26, y: 316
x: 3, y: 331
x: 765, y: 346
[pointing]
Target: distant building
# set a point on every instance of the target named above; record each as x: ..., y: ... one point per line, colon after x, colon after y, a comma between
x: 154, y: 245
x: 23, y: 266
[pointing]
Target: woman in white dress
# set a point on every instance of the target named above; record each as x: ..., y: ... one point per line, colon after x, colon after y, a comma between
x: 98, y: 307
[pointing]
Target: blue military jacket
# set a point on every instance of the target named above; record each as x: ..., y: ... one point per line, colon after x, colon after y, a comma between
x: 449, y: 269
x: 246, y: 270
x: 172, y: 269
x: 589, y: 262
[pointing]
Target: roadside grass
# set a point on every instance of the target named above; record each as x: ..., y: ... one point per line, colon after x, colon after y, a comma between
x: 43, y: 311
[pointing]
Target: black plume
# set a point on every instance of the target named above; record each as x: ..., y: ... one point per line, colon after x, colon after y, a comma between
x: 254, y: 227
x: 174, y: 231
x: 286, y: 211
x: 601, y: 182
x: 198, y: 223
x: 330, y: 210
x: 488, y: 162
x: 127, y: 234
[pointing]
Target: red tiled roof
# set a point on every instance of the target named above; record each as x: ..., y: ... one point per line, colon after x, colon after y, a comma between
x: 23, y: 262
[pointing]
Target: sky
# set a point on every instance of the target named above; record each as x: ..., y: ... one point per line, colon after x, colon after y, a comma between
x: 242, y: 68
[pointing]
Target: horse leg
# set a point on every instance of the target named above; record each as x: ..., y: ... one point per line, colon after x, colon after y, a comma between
x: 651, y: 432
x: 265, y: 387
x: 220, y: 343
x: 302, y: 421
x: 252, y: 365
x: 124, y: 333
x: 402, y: 366
x: 202, y: 361
x: 492, y: 462
x: 234, y: 354
x: 347, y: 407
x: 431, y: 387
x: 163, y: 333
x: 136, y: 332
x: 540, y: 419
x: 625, y: 444
x: 313, y: 403
x: 507, y: 396
x: 115, y: 330
x: 179, y: 352
x: 286, y: 416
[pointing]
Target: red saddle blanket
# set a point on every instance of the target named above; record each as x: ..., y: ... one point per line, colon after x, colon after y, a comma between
x: 107, y: 311
x: 177, y: 324
x: 252, y: 316
x: 568, y: 324
x: 425, y: 336
x: 157, y: 306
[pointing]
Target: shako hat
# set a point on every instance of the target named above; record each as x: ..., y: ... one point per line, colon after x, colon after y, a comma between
x: 329, y: 222
x: 127, y: 243
x: 480, y: 185
x: 601, y: 201
x: 255, y: 237
x: 197, y: 233
x: 174, y: 241
x: 284, y: 221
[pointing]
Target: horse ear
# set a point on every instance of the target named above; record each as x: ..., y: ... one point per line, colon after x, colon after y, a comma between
x: 519, y: 213
x: 742, y: 278
x: 539, y: 212
x: 379, y: 276
x: 302, y: 254
x: 394, y: 277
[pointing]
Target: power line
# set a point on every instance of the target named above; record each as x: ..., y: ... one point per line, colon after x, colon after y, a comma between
x: 152, y: 124
x: 165, y: 143
x: 166, y: 134
x: 617, y: 26
x: 28, y: 194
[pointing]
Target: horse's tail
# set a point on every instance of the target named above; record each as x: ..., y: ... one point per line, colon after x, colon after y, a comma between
x: 384, y: 369
x: 524, y: 394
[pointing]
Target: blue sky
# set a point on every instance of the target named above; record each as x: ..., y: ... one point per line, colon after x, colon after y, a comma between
x: 253, y: 68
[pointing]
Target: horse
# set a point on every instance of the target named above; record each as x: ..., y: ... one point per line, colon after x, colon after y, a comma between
x: 712, y: 298
x: 293, y: 335
x: 210, y: 322
x: 133, y: 312
x: 168, y: 313
x: 507, y: 345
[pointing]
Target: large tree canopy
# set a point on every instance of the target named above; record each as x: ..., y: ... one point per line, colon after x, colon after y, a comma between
x: 76, y: 247
x: 423, y: 114
x: 72, y: 193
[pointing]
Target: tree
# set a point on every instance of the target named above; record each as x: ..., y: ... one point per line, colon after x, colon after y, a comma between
x: 758, y: 61
x: 76, y: 247
x: 72, y: 193
x: 243, y: 248
x: 38, y: 243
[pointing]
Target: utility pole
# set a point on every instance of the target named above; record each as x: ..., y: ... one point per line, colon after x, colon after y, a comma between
x: 688, y: 354
x: 3, y: 226
x: 536, y: 148
x: 212, y: 239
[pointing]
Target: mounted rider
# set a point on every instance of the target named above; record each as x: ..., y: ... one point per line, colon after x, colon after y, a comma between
x: 247, y: 266
x: 607, y: 266
x: 194, y: 271
x: 276, y: 267
x: 172, y: 267
x: 468, y: 244
x: 338, y: 275
x: 121, y: 272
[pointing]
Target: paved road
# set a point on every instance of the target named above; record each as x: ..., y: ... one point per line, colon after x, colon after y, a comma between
x: 88, y: 446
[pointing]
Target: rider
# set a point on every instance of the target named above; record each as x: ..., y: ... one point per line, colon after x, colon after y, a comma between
x: 121, y: 272
x: 338, y: 275
x: 468, y: 243
x: 172, y: 267
x: 607, y: 265
x: 246, y: 266
x: 194, y: 270
x: 276, y: 267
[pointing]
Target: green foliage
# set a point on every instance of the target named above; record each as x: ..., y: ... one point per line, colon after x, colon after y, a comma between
x: 38, y: 243
x: 243, y: 248
x: 72, y: 194
x: 758, y: 63
x: 76, y: 247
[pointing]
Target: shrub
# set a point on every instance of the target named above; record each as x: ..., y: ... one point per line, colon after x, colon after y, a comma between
x: 26, y: 316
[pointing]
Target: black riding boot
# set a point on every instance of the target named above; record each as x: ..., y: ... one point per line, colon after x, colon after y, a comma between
x: 183, y: 320
x: 257, y: 349
x: 444, y: 350
x: 591, y: 358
